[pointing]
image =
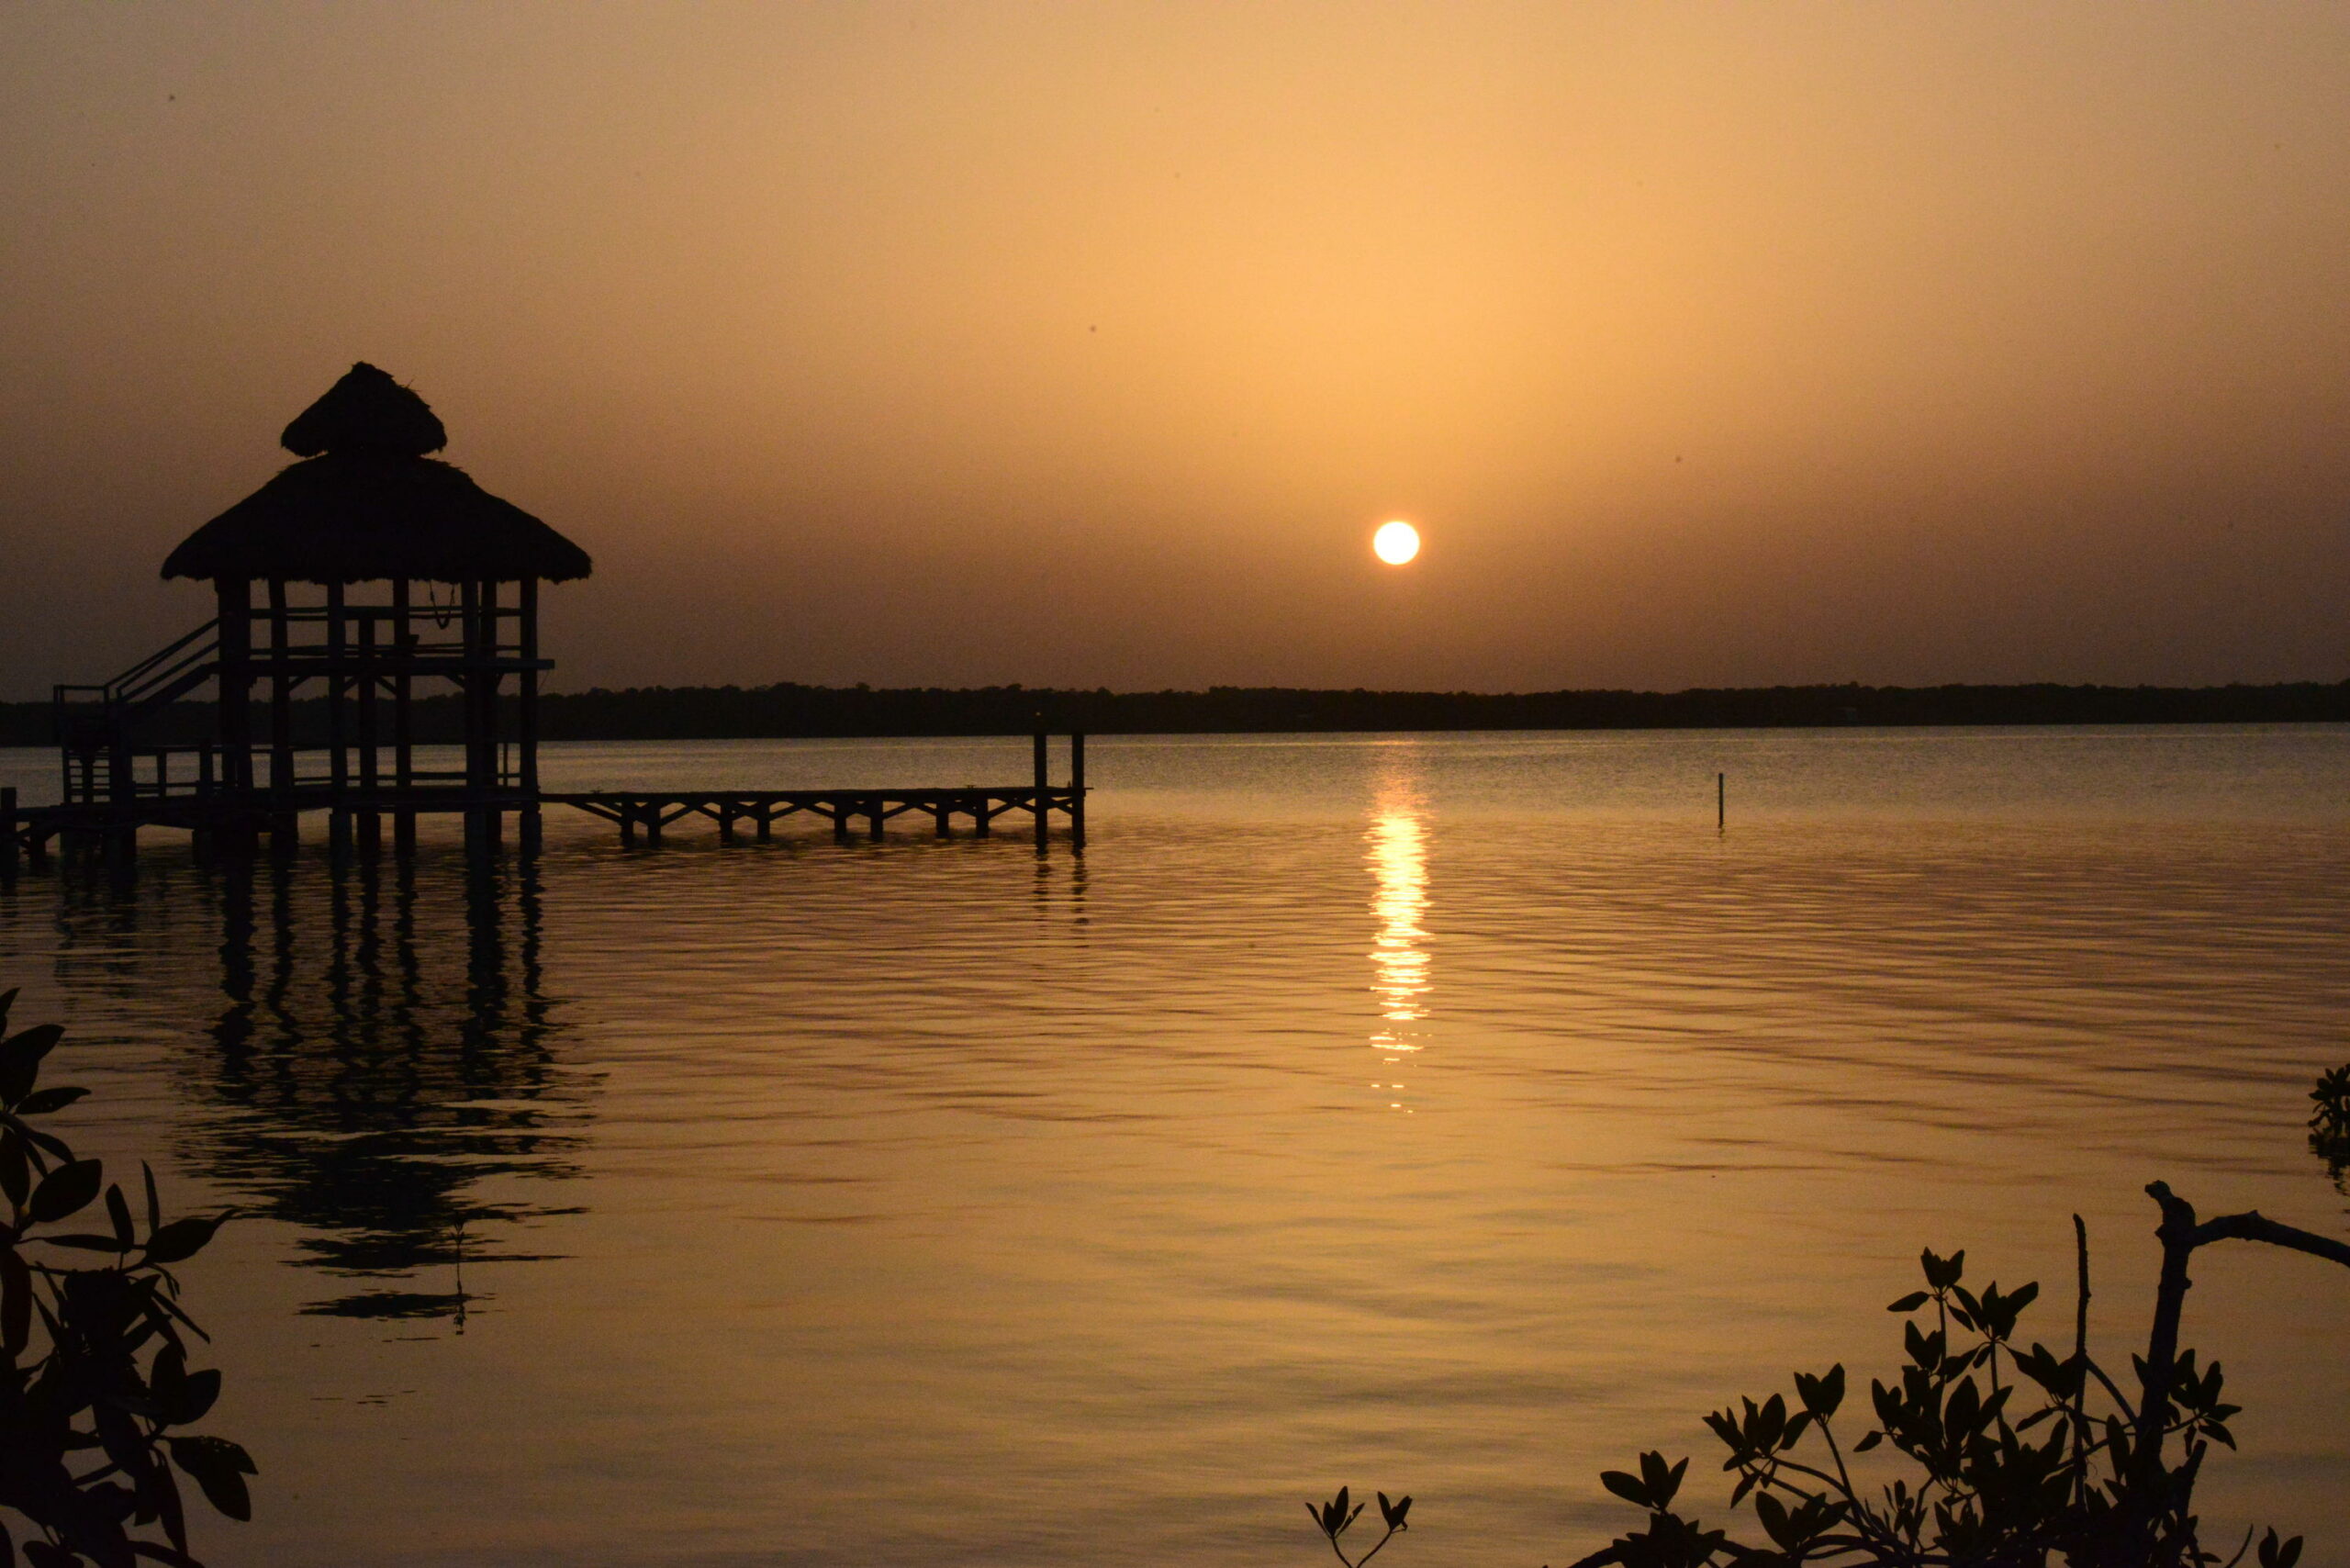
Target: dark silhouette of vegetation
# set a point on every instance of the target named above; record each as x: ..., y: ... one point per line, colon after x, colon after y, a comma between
x: 2330, y: 1125
x: 1334, y: 1518
x: 721, y: 712
x: 2015, y: 1456
x: 94, y: 1380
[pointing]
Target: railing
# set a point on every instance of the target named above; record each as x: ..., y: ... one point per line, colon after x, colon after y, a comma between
x: 148, y: 673
x: 159, y: 677
x: 92, y: 723
x: 98, y: 775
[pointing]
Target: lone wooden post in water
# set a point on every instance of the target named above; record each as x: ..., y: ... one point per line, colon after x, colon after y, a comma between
x: 8, y: 832
x: 1076, y: 789
x: 1041, y: 787
x: 1721, y: 802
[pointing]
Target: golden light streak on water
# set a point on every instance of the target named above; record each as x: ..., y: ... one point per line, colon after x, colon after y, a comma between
x: 1397, y: 852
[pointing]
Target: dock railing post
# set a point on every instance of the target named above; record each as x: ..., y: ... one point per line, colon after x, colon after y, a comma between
x: 1042, y: 785
x: 1076, y: 789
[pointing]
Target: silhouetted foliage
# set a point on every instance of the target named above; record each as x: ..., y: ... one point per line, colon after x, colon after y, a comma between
x: 94, y: 1361
x: 1334, y: 1518
x: 2010, y: 1458
x: 2330, y: 1125
x: 789, y: 710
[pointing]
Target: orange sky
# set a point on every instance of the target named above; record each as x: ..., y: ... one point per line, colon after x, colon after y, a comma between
x: 1086, y: 344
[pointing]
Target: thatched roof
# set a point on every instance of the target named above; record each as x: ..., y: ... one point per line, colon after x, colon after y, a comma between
x: 365, y: 412
x: 368, y: 505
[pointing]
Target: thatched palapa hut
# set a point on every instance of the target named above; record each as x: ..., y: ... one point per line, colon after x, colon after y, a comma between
x: 365, y: 571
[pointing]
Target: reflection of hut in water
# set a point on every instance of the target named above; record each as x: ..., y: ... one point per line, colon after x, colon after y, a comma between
x: 366, y: 575
x: 383, y: 1076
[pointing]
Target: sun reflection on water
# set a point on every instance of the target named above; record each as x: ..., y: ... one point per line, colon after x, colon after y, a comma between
x: 1397, y: 850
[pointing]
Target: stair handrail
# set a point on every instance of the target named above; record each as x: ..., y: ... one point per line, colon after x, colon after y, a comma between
x: 143, y: 677
x: 193, y: 663
x: 118, y: 689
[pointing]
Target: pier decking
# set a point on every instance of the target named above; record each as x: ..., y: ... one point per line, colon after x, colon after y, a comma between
x: 201, y: 806
x: 648, y: 812
x: 365, y: 574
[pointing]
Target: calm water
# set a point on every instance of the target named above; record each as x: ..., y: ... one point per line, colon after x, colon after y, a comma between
x: 1455, y: 1116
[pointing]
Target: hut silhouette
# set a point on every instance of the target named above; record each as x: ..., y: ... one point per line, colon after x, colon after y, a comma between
x: 364, y: 581
x: 368, y: 575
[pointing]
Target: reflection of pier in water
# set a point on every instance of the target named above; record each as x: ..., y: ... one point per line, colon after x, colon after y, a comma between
x: 382, y: 1072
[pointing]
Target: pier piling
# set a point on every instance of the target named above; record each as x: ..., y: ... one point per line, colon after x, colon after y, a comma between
x: 1043, y: 760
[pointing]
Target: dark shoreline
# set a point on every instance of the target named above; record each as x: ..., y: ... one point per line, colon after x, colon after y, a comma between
x: 729, y: 713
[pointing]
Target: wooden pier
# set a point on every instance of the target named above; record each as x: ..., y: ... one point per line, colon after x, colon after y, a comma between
x: 647, y: 812
x: 366, y: 574
x: 215, y: 817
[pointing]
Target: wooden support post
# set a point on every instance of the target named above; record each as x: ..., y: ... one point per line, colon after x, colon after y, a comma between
x: 873, y: 809
x: 939, y: 813
x: 233, y: 639
x: 368, y: 679
x: 526, y: 719
x: 404, y: 641
x: 338, y: 693
x: 725, y: 824
x: 983, y: 818
x: 8, y: 834
x: 766, y: 823
x: 469, y: 638
x: 529, y: 829
x: 481, y: 759
x: 1043, y: 784
x: 628, y: 826
x: 281, y: 695
x: 118, y: 845
x: 1076, y: 789
x: 840, y: 820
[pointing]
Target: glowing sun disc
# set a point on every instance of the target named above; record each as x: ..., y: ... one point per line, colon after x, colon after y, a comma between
x: 1396, y: 542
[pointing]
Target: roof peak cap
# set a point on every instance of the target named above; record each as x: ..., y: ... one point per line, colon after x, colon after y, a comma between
x: 368, y: 412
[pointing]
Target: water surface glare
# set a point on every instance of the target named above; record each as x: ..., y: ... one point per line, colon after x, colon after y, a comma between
x: 1457, y: 1115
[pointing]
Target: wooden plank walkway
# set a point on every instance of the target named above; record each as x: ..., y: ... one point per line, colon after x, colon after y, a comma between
x: 215, y: 814
x: 647, y: 812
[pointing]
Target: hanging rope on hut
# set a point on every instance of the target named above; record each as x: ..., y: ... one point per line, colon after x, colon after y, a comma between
x: 441, y: 612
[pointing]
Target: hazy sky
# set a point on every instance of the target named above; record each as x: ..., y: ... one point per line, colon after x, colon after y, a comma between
x: 1086, y: 344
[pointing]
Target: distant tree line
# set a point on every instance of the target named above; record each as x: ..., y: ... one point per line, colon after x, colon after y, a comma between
x: 717, y: 712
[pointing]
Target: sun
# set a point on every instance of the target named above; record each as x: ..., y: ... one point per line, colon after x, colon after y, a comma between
x: 1396, y: 542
